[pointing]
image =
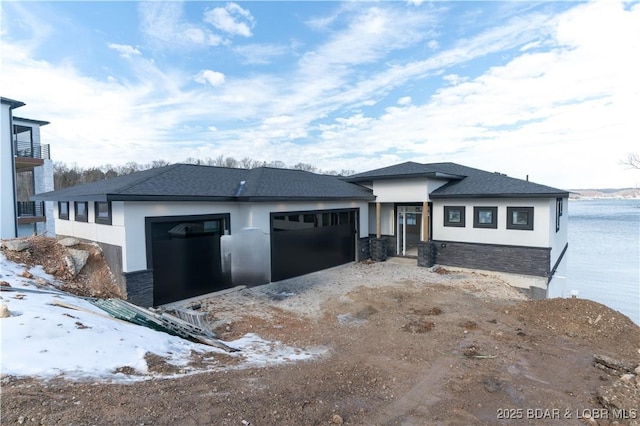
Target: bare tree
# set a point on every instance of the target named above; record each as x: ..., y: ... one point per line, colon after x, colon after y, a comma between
x: 231, y: 163
x: 306, y: 167
x: 633, y: 161
x: 250, y: 163
x: 277, y: 164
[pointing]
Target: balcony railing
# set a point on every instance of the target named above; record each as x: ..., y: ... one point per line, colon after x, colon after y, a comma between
x: 26, y: 150
x: 30, y: 208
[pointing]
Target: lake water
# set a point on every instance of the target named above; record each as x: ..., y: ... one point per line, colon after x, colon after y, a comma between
x: 604, y: 254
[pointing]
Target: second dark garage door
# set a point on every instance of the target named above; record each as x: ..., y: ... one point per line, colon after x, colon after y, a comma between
x: 305, y: 242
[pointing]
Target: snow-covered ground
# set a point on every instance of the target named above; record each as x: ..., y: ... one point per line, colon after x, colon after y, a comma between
x: 43, y: 340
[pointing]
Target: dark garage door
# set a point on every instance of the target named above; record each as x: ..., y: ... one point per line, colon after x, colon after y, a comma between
x: 305, y: 242
x: 185, y: 257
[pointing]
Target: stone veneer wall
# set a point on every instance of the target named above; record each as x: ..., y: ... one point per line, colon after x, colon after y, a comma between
x: 363, y: 249
x: 140, y: 287
x: 391, y: 245
x: 426, y: 254
x: 492, y: 257
x: 378, y: 249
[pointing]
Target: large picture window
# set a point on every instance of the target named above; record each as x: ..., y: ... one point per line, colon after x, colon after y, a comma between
x: 103, y: 212
x: 454, y: 216
x: 485, y: 217
x: 81, y: 211
x: 63, y: 210
x: 520, y: 218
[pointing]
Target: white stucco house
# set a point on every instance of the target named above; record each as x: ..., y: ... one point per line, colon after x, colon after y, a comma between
x: 184, y: 230
x: 449, y: 214
x: 25, y: 169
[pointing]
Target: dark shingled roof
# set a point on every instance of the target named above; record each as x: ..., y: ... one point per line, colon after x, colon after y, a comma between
x: 186, y: 182
x: 463, y: 181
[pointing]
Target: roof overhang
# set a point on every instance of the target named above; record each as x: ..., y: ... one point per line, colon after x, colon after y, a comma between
x: 183, y: 198
x: 520, y: 195
x: 13, y: 104
x: 430, y: 175
x: 31, y: 121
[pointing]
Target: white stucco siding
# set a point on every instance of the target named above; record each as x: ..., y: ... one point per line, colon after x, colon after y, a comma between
x: 110, y: 234
x: 8, y: 199
x: 401, y: 190
x: 538, y: 237
x: 405, y: 190
x: 386, y: 219
x: 558, y: 239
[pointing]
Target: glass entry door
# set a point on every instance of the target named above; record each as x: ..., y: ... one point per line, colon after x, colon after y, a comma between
x: 409, y: 230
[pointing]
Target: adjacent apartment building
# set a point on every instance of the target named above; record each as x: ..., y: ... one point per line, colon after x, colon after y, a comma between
x: 25, y: 169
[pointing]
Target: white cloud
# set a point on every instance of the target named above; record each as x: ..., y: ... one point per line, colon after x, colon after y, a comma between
x: 231, y: 19
x: 125, y: 51
x: 260, y: 54
x: 549, y: 112
x: 213, y: 78
x: 165, y: 26
x: 553, y: 109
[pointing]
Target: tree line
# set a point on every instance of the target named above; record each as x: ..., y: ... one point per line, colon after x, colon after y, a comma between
x: 65, y: 175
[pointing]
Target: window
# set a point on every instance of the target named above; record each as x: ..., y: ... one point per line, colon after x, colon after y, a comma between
x: 454, y: 216
x: 558, y: 213
x: 520, y: 218
x: 63, y: 210
x: 485, y: 217
x: 103, y: 212
x: 81, y: 211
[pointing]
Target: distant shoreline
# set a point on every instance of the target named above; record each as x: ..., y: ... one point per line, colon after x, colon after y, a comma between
x: 591, y: 194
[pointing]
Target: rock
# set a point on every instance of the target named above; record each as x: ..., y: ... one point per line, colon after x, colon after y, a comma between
x: 75, y: 260
x: 6, y: 284
x: 336, y: 419
x: 26, y: 274
x: 4, y: 311
x: 17, y: 245
x: 69, y: 242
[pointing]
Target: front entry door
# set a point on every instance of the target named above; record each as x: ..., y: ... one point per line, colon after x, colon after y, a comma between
x: 409, y: 230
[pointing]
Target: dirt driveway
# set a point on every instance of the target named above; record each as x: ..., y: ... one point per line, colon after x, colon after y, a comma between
x: 402, y: 345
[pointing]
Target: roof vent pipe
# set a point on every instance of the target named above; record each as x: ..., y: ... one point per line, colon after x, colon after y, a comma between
x: 240, y: 187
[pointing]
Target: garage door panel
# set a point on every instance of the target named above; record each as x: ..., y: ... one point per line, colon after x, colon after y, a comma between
x: 297, y: 252
x: 185, y: 265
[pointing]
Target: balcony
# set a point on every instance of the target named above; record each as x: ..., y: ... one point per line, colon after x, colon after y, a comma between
x: 30, y: 211
x: 29, y: 156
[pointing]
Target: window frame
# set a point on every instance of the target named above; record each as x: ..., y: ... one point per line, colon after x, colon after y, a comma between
x: 63, y: 216
x: 559, y: 208
x: 81, y: 217
x: 102, y: 219
x: 494, y: 217
x: 512, y: 225
x: 462, y: 211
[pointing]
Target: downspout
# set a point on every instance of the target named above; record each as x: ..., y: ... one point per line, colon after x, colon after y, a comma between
x: 13, y: 174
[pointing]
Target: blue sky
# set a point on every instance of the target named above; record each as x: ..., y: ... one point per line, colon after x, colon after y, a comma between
x: 546, y: 89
